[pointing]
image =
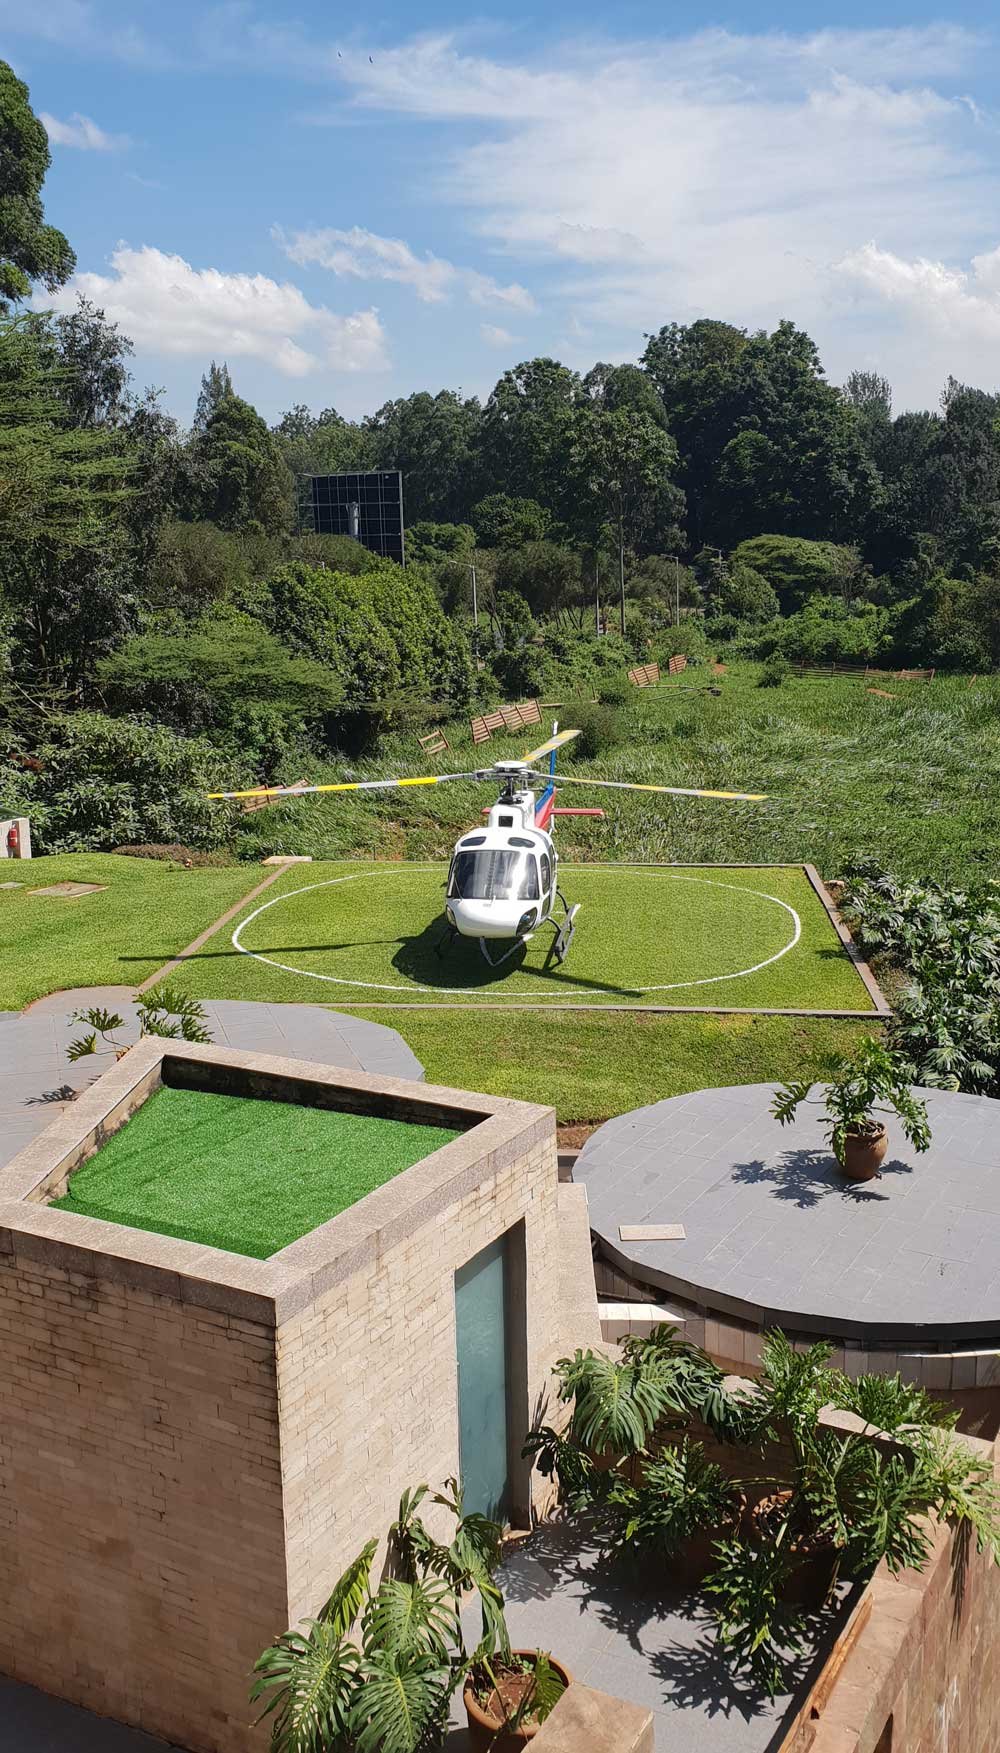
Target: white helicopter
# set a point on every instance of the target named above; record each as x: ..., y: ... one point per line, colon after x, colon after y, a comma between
x: 502, y: 880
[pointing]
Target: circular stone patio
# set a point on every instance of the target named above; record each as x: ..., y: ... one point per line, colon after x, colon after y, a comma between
x: 775, y: 1236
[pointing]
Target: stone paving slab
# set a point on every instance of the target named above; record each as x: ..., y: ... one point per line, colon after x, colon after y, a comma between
x: 776, y: 1235
x: 33, y: 1722
x: 37, y: 1081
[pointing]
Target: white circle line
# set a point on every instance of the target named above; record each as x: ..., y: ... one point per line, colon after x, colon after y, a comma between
x: 463, y: 991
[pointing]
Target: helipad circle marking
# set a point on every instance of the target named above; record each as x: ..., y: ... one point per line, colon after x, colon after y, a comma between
x: 522, y: 998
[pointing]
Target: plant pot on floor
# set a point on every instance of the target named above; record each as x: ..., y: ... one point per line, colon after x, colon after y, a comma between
x: 813, y: 1563
x: 864, y: 1153
x: 488, y: 1731
x: 696, y: 1555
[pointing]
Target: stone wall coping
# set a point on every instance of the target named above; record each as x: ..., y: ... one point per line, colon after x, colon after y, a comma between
x: 495, y: 1131
x: 588, y: 1721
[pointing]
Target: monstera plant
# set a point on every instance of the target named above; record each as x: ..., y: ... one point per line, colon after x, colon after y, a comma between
x: 376, y: 1670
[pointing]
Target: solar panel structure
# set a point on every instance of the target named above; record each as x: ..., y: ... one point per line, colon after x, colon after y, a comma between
x: 367, y: 506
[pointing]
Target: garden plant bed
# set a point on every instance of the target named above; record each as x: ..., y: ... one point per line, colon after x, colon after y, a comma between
x: 239, y: 1173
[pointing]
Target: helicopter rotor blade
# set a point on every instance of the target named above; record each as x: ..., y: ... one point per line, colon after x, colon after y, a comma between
x: 347, y: 785
x: 555, y: 742
x: 671, y: 790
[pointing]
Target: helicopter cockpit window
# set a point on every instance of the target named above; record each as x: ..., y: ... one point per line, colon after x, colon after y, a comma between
x: 546, y: 873
x: 493, y: 876
x: 476, y: 840
x: 518, y: 840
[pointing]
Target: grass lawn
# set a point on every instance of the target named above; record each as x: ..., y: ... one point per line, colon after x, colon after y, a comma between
x: 591, y: 1066
x: 338, y: 933
x: 146, y: 913
x: 249, y: 1176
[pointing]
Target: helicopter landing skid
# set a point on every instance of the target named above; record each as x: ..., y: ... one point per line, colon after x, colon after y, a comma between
x: 564, y: 933
x: 498, y: 961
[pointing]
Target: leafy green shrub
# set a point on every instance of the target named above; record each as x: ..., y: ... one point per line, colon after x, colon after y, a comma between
x: 614, y: 690
x: 775, y: 672
x: 108, y: 781
x: 946, y: 1025
x: 601, y: 728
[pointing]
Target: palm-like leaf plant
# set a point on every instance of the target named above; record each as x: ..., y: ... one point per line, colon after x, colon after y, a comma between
x: 386, y: 1686
x: 307, y: 1682
x: 680, y: 1494
x: 756, y: 1625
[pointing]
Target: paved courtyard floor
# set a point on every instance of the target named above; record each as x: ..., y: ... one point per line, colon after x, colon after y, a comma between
x: 37, y: 1080
x: 653, y: 1647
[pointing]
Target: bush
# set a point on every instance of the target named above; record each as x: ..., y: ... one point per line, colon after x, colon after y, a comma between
x: 775, y: 672
x: 614, y: 691
x: 600, y: 728
x: 113, y: 781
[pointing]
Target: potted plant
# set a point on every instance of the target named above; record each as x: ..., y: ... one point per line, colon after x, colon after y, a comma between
x: 849, y: 1503
x: 509, y: 1696
x: 680, y: 1506
x: 857, y: 1091
x: 376, y: 1671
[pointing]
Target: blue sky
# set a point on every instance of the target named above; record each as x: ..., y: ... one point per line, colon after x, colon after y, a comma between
x: 348, y: 212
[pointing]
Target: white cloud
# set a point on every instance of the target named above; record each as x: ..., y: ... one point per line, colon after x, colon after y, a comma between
x: 950, y: 314
x: 495, y: 336
x: 168, y: 306
x: 712, y: 174
x: 81, y: 132
x: 363, y: 255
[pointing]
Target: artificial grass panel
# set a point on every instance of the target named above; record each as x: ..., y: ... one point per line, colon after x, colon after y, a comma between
x: 592, y: 1065
x: 147, y: 912
x: 645, y: 936
x: 242, y: 1174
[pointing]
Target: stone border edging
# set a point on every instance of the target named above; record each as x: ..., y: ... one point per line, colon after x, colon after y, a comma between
x: 875, y: 993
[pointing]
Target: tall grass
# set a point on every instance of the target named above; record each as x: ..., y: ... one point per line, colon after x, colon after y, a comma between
x: 913, y: 782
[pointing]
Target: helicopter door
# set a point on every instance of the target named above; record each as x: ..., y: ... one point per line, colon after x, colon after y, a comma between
x: 547, y: 880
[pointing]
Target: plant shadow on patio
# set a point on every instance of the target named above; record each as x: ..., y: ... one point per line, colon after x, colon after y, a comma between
x: 804, y: 1177
x: 626, y: 1633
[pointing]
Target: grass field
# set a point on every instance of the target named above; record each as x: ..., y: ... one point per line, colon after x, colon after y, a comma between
x: 245, y: 1175
x: 339, y: 934
x: 913, y: 781
x: 592, y: 1065
x: 145, y: 914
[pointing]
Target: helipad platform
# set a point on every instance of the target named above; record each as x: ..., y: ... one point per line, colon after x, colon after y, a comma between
x: 775, y: 1236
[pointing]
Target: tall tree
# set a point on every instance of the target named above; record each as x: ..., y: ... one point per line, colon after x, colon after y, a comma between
x: 766, y: 443
x: 432, y: 439
x: 245, y: 483
x: 215, y: 384
x: 30, y: 250
x: 527, y: 433
x: 623, y: 461
x: 323, y: 444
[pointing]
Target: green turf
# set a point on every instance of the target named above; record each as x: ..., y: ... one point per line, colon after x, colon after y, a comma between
x: 237, y: 1173
x: 645, y: 936
x: 591, y: 1065
x: 146, y: 913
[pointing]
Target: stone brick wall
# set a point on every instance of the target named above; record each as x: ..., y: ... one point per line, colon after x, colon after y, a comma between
x: 367, y: 1374
x: 141, y: 1542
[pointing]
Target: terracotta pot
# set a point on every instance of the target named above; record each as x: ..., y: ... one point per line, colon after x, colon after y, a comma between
x: 813, y: 1565
x: 696, y: 1555
x: 487, y: 1733
x: 863, y: 1154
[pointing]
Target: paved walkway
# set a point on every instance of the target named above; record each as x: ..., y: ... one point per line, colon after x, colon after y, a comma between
x: 777, y: 1236
x: 37, y: 1080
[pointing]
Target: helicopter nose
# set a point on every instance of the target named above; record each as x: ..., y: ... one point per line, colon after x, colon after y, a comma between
x: 485, y: 918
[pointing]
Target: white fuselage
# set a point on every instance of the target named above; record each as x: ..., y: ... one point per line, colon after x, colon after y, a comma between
x: 502, y: 880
